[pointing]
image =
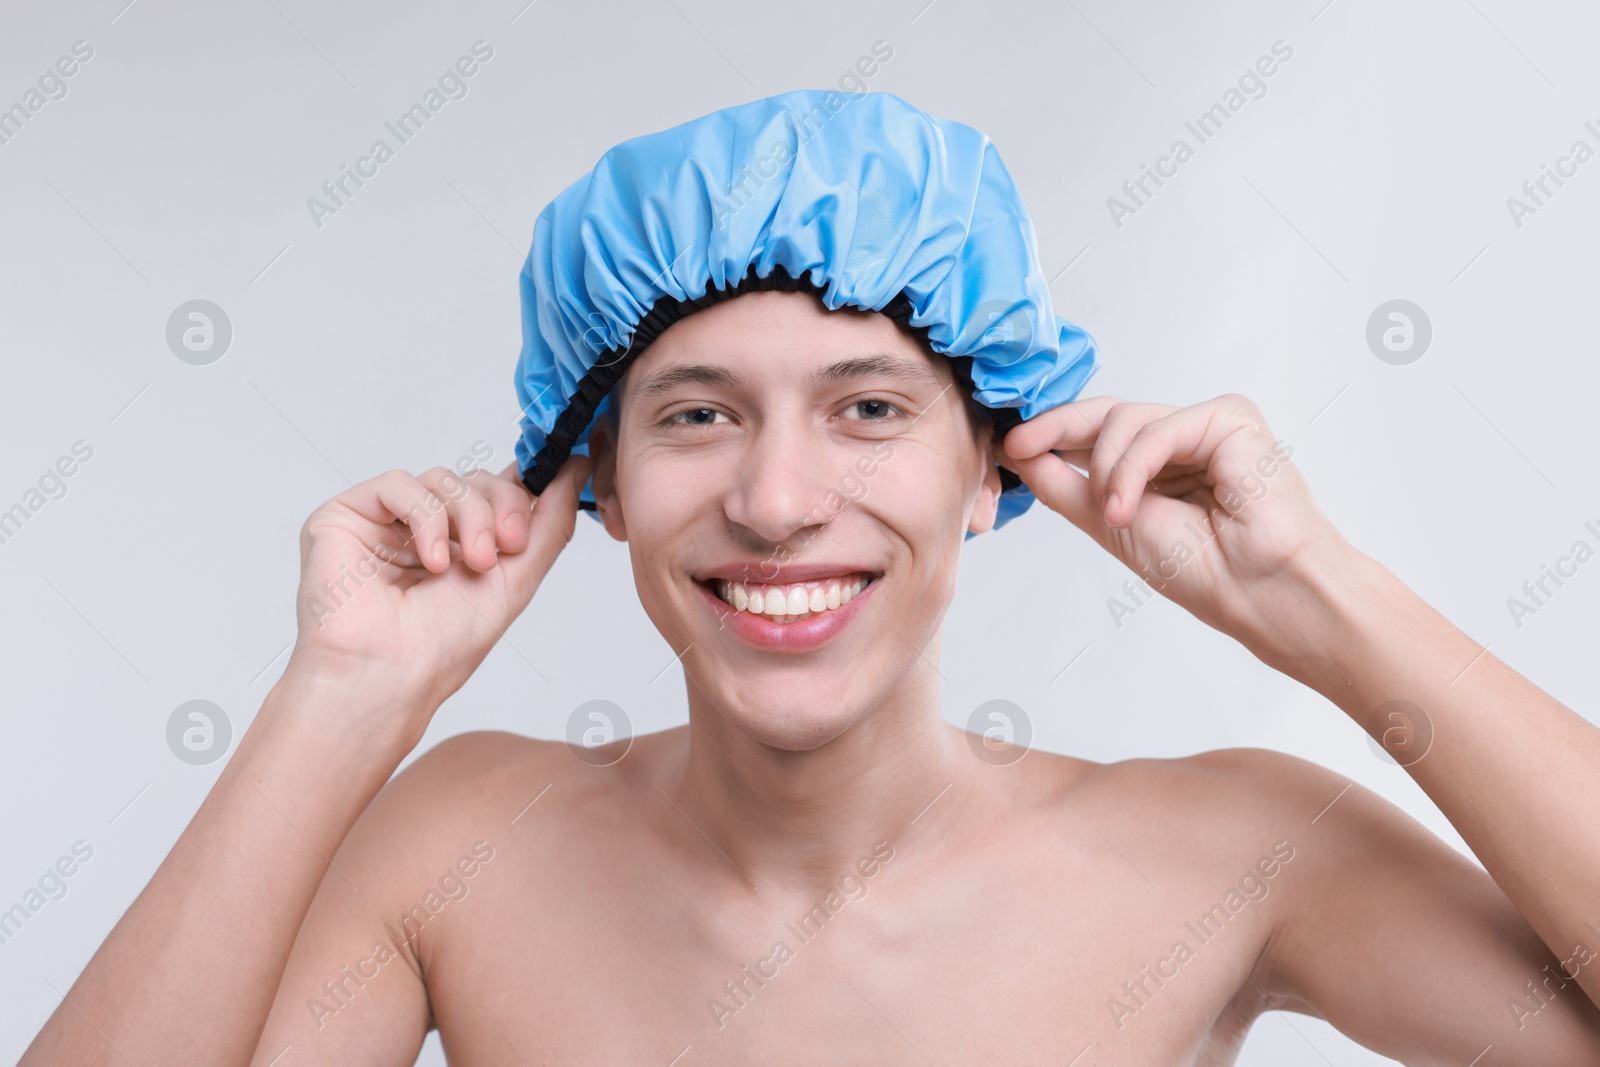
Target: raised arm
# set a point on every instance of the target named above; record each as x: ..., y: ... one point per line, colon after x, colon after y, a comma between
x: 1206, y: 504
x: 1395, y: 938
x: 392, y: 620
x: 1511, y: 964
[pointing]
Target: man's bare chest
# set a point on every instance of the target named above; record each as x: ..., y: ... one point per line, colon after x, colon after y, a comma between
x: 1012, y: 968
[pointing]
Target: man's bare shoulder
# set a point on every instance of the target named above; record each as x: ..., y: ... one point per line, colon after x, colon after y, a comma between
x: 472, y: 773
x: 497, y: 775
x: 1192, y: 814
x: 487, y: 781
x: 444, y: 801
x: 1245, y: 783
x: 484, y: 794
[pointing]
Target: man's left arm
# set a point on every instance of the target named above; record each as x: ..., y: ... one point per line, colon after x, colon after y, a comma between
x: 1205, y: 503
x: 1514, y: 770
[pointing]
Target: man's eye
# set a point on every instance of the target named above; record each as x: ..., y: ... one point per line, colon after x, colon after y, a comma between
x: 692, y: 417
x: 876, y: 410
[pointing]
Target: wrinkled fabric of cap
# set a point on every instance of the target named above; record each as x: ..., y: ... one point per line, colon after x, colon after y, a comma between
x: 859, y: 198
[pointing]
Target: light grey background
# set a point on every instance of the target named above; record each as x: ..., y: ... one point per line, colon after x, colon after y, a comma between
x: 1377, y: 166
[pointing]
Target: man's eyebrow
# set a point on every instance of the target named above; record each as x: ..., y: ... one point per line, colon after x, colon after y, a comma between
x: 877, y: 364
x: 687, y: 374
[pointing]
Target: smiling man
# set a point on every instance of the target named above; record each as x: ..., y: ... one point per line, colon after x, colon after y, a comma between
x: 723, y: 476
x: 817, y: 868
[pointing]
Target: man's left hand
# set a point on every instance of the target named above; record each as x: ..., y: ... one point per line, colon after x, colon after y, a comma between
x: 1202, y: 501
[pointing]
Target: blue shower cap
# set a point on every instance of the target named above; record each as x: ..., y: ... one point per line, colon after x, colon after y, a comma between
x: 859, y: 198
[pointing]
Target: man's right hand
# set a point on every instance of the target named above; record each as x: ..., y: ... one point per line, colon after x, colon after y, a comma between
x: 408, y: 581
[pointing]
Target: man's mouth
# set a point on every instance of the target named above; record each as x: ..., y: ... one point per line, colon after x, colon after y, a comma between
x: 793, y: 601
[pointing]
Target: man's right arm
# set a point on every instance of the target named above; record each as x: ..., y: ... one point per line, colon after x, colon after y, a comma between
x: 406, y: 584
x: 189, y: 973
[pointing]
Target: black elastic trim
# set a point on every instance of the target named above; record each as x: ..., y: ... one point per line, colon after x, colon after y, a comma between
x: 613, y: 364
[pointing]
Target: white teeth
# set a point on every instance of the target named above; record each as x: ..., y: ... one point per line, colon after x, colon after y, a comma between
x: 791, y: 603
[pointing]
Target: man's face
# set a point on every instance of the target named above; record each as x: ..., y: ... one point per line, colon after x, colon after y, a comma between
x: 797, y: 453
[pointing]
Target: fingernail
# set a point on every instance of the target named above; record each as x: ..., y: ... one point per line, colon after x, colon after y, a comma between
x: 485, y: 543
x: 1111, y: 502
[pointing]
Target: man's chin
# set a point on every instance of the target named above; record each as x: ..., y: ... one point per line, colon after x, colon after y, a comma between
x: 790, y: 726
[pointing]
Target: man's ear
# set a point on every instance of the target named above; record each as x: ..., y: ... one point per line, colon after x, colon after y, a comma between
x: 987, y: 507
x: 603, y: 450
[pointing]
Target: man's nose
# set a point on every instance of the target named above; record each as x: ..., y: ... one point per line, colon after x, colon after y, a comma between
x: 784, y: 476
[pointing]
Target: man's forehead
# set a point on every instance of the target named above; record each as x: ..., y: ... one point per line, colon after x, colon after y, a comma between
x: 735, y: 373
x: 756, y: 339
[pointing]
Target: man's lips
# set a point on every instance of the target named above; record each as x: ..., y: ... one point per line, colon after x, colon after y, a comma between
x: 801, y: 635
x: 791, y: 599
x: 827, y: 588
x: 767, y: 572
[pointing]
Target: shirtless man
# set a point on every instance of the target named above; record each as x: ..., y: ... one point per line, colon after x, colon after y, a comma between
x: 818, y: 868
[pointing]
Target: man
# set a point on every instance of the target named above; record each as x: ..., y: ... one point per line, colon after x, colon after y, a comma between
x: 817, y: 869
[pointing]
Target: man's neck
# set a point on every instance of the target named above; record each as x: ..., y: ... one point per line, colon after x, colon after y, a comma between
x: 801, y: 818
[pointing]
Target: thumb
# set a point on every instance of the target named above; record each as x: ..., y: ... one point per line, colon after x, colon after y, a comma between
x: 553, y: 521
x: 1063, y: 489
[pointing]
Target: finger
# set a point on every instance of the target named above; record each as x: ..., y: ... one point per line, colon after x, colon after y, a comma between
x: 471, y: 516
x: 1179, y: 488
x: 1119, y: 478
x: 1062, y: 489
x: 1077, y: 457
x: 511, y: 502
x: 1184, y: 441
x: 554, y: 521
x: 1072, y: 425
x: 398, y: 496
x: 1076, y: 425
x: 1117, y: 431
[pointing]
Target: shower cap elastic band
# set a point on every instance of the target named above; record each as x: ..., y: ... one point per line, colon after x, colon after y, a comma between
x: 859, y: 198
